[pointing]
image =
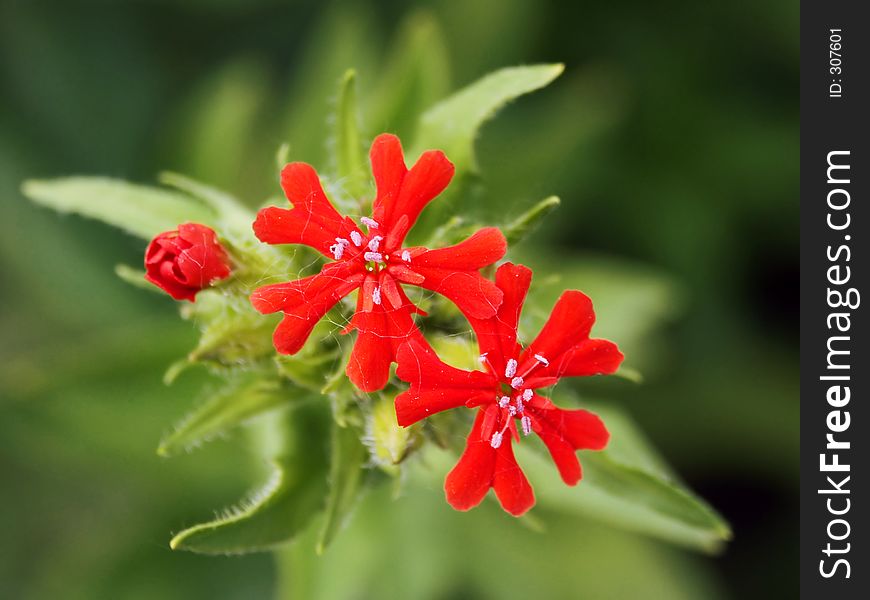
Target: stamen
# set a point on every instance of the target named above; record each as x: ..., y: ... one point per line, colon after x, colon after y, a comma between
x: 495, y: 442
x: 343, y: 242
x: 542, y: 360
x: 337, y: 250
x: 376, y: 295
x: 356, y: 237
x: 511, y: 369
x: 527, y: 395
x: 373, y: 257
x: 482, y: 358
x: 370, y: 223
x: 526, y: 422
x: 406, y: 256
x: 374, y: 243
x: 520, y: 406
x: 517, y: 383
x: 504, y: 401
x: 512, y: 410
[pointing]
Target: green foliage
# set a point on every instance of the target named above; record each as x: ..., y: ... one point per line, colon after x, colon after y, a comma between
x: 347, y: 459
x: 452, y: 124
x: 239, y: 400
x: 349, y: 151
x: 518, y: 229
x: 283, y: 507
x: 140, y: 210
x: 629, y: 486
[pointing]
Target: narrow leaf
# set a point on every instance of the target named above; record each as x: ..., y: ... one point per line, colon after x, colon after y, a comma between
x: 236, y: 403
x: 347, y: 459
x: 350, y: 154
x: 225, y: 205
x: 288, y: 502
x: 452, y: 125
x: 140, y: 210
x: 630, y: 486
x: 135, y: 277
x: 526, y: 223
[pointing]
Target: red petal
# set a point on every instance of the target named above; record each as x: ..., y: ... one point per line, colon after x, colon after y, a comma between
x: 304, y: 302
x: 590, y: 357
x: 497, y: 336
x: 510, y: 484
x: 477, y: 251
x: 313, y: 220
x: 381, y: 331
x: 435, y: 386
x: 566, y: 431
x: 469, y: 481
x: 400, y: 191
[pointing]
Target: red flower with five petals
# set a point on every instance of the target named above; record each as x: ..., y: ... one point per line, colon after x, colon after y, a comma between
x: 505, y: 393
x: 373, y: 260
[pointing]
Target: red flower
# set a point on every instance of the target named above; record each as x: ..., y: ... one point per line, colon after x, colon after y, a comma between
x: 374, y: 261
x: 505, y: 393
x: 184, y: 261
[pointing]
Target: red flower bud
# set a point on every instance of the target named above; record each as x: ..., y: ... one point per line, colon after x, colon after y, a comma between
x: 184, y: 261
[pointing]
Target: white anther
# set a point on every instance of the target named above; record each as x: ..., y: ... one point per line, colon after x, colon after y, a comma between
x: 527, y: 395
x: 482, y: 358
x: 370, y: 223
x: 343, y: 242
x: 526, y: 422
x: 376, y: 295
x: 374, y: 243
x: 356, y: 237
x: 406, y: 256
x: 511, y: 369
x: 520, y: 406
x: 374, y: 257
x: 517, y: 383
x: 504, y: 401
x: 337, y: 250
x: 495, y: 442
x: 512, y: 410
x: 542, y: 360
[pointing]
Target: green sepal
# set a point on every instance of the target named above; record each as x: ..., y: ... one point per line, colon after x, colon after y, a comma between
x: 518, y: 229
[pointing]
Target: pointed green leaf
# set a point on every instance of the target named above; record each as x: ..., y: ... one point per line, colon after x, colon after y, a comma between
x: 349, y: 151
x: 286, y: 505
x: 228, y: 208
x: 135, y: 277
x: 630, y: 486
x: 452, y: 125
x: 137, y: 209
x: 347, y: 459
x: 526, y: 223
x: 239, y: 401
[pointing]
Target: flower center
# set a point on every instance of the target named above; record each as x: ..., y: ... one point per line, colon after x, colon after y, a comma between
x: 512, y: 396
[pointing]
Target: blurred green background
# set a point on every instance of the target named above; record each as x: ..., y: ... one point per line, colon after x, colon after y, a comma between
x: 672, y: 140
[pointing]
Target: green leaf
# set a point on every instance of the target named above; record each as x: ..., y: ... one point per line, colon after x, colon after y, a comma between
x: 349, y: 152
x: 629, y: 486
x: 452, y: 125
x: 135, y: 277
x: 518, y: 229
x: 347, y: 459
x: 285, y: 505
x: 140, y: 210
x: 227, y: 207
x: 239, y: 401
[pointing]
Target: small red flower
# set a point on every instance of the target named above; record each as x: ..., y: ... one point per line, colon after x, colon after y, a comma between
x: 373, y: 260
x: 505, y: 391
x: 184, y: 261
